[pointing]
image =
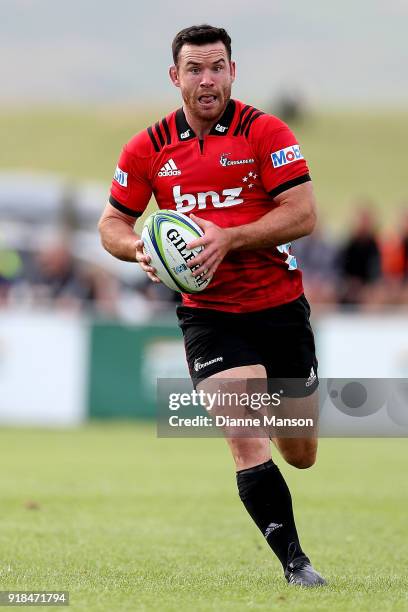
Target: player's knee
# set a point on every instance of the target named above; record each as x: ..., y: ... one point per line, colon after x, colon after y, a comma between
x: 304, y: 462
x: 248, y: 453
x: 301, y: 460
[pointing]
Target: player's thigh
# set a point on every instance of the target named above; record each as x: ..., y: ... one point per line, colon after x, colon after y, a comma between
x: 292, y: 372
x: 247, y: 450
x: 286, y: 344
x: 214, y: 342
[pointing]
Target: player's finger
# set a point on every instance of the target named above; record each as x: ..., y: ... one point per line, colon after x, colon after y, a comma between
x: 197, y: 260
x: 151, y: 273
x: 203, y: 223
x: 205, y: 266
x: 143, y: 258
x: 202, y: 257
x: 197, y: 243
x: 211, y: 271
x: 140, y: 255
x: 147, y: 268
x: 144, y: 262
x: 202, y: 261
x: 154, y: 278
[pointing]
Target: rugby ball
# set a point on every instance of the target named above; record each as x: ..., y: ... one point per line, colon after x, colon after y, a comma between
x: 165, y: 236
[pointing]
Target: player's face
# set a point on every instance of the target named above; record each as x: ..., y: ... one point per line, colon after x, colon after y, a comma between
x: 205, y: 76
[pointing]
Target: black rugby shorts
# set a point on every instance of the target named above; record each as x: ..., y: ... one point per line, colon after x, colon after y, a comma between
x: 280, y: 338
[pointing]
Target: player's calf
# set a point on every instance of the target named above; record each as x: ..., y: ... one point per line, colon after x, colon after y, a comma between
x: 298, y: 445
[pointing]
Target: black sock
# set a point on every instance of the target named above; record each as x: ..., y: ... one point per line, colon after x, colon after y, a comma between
x: 266, y: 497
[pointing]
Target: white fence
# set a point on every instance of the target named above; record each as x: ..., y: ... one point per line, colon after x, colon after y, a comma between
x: 45, y: 360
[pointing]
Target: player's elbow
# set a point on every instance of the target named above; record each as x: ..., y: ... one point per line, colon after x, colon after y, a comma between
x: 310, y: 221
x: 101, y: 230
x: 106, y: 234
x: 101, y: 226
x: 307, y: 216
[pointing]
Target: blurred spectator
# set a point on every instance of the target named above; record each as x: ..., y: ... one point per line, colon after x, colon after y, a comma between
x: 11, y: 269
x: 392, y: 256
x: 289, y: 106
x: 64, y: 269
x: 359, y: 260
x: 317, y: 255
x: 54, y: 277
x: 404, y: 241
x: 392, y: 290
x: 160, y: 296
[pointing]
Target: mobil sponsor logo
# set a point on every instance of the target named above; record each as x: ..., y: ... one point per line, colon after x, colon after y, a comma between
x: 286, y: 156
x: 121, y: 177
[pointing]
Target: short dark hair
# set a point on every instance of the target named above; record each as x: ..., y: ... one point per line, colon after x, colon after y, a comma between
x: 200, y: 35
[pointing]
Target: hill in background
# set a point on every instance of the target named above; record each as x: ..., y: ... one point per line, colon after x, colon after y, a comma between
x: 351, y: 154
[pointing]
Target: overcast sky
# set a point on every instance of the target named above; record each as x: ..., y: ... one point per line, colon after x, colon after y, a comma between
x: 333, y: 52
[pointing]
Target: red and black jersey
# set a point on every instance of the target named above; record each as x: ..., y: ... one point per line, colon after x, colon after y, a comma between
x: 231, y: 178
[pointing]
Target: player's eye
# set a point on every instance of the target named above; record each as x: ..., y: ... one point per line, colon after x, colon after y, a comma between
x: 194, y: 70
x: 218, y: 68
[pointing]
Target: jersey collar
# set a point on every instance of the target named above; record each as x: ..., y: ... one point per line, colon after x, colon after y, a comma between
x: 221, y: 128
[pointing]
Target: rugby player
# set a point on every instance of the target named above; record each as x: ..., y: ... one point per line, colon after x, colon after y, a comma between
x: 241, y: 176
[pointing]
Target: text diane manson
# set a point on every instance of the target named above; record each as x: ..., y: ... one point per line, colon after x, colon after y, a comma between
x: 226, y: 421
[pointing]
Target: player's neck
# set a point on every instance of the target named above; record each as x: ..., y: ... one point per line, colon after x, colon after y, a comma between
x: 199, y: 126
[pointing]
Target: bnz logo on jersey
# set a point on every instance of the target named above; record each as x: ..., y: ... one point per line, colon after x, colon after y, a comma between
x: 120, y: 177
x: 286, y: 156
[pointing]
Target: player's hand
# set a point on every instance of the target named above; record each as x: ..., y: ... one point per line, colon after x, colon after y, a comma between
x: 216, y: 242
x: 144, y: 261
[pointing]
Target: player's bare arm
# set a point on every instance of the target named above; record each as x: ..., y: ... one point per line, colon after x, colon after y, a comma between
x: 120, y: 240
x: 293, y: 218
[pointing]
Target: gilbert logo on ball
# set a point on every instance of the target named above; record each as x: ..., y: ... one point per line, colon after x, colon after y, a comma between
x: 165, y: 236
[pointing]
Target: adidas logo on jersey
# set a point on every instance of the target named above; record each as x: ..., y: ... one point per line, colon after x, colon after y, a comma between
x: 169, y: 169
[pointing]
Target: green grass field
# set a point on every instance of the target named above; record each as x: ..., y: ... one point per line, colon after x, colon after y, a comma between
x: 351, y: 154
x: 126, y: 521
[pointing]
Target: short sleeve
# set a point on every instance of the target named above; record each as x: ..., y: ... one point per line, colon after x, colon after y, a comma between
x: 131, y: 189
x: 282, y: 164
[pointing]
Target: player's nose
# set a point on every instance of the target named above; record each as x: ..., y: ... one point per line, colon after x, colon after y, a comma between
x: 207, y: 79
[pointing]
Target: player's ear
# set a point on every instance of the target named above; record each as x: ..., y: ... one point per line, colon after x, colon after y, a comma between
x: 174, y: 76
x: 233, y: 70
